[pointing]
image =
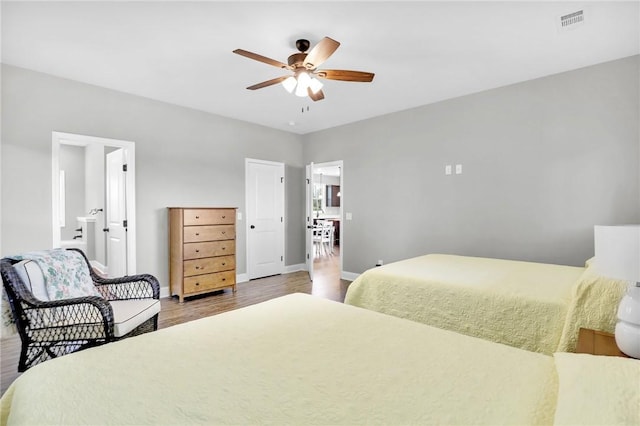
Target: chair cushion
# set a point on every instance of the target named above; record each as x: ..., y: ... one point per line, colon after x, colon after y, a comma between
x: 65, y: 274
x: 30, y: 273
x: 129, y: 314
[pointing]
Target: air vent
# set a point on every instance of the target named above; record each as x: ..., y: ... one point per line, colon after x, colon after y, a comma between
x: 572, y: 20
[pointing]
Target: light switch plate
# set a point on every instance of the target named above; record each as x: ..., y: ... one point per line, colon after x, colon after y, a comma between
x: 447, y: 169
x: 239, y: 215
x: 458, y: 169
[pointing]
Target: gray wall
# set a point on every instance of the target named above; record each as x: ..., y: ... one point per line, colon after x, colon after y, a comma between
x: 543, y: 161
x: 184, y: 157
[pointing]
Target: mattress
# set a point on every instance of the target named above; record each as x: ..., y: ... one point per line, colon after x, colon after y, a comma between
x: 534, y: 306
x: 300, y: 359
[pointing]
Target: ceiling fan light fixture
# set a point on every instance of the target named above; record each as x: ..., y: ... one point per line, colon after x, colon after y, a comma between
x: 304, y: 65
x: 315, y: 85
x: 289, y: 84
x: 303, y: 84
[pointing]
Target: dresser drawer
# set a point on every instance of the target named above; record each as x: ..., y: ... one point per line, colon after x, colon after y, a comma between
x: 209, y: 265
x: 209, y: 216
x: 209, y: 281
x: 209, y: 249
x: 209, y: 233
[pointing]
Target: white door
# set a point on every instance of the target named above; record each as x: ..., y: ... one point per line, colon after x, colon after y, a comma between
x: 265, y: 218
x: 309, y: 220
x: 116, y: 213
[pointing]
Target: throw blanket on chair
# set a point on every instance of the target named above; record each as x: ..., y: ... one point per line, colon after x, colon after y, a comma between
x: 65, y: 274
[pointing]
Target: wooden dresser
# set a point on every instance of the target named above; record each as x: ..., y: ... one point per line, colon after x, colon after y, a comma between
x: 202, y: 250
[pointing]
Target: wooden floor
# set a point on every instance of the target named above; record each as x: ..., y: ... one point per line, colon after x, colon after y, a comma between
x: 327, y: 284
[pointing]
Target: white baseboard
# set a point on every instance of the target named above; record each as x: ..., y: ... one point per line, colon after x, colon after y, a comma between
x: 349, y: 276
x: 243, y: 278
x: 295, y: 268
x: 164, y: 292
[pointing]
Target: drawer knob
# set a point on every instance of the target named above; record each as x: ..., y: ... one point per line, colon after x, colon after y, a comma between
x: 224, y: 279
x: 197, y: 267
x: 223, y: 216
x: 197, y: 234
x: 197, y: 251
x: 223, y: 263
x: 224, y: 248
x: 197, y: 283
x: 197, y: 217
x: 224, y: 232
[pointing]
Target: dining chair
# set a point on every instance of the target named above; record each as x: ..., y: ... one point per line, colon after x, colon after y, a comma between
x: 317, y: 238
x: 327, y: 236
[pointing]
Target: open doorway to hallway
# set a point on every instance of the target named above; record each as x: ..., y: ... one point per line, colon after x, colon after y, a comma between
x: 327, y: 217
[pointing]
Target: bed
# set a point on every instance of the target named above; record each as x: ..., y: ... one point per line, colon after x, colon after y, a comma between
x: 300, y: 359
x: 534, y: 306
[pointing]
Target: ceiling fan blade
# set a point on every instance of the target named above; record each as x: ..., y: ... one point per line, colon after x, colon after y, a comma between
x: 320, y: 53
x: 346, y: 75
x: 261, y: 58
x: 318, y: 96
x: 268, y: 83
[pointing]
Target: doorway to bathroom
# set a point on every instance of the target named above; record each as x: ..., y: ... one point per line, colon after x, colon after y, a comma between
x: 93, y: 194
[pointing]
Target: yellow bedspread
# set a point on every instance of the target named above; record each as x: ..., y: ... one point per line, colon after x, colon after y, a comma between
x: 293, y: 360
x: 533, y: 306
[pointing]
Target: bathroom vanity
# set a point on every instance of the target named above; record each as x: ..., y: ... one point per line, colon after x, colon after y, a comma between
x: 84, y: 237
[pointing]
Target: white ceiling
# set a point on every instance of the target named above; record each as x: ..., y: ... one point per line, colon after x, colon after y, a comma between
x: 421, y: 52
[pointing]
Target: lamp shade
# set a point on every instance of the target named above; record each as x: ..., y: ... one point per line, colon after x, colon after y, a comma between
x: 303, y: 84
x: 289, y: 84
x: 618, y: 256
x: 315, y: 85
x: 617, y: 250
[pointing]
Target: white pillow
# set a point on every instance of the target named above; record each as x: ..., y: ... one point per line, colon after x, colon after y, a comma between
x: 31, y: 275
x: 65, y: 274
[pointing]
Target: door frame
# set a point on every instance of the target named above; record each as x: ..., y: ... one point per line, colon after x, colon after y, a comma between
x: 248, y: 161
x: 308, y: 223
x: 309, y: 194
x: 60, y: 138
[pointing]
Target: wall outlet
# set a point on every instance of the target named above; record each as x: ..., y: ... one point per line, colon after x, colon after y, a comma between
x: 349, y: 216
x: 380, y: 262
x: 447, y: 169
x: 458, y: 169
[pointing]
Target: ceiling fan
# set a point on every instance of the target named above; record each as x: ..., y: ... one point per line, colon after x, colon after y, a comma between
x: 304, y: 80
